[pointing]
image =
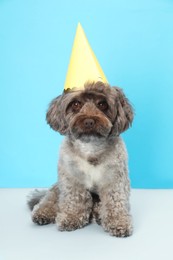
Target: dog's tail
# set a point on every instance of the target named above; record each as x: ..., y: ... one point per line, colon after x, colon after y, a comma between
x: 34, y: 198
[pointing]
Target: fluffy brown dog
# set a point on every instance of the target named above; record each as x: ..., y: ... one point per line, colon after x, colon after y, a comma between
x: 93, y: 173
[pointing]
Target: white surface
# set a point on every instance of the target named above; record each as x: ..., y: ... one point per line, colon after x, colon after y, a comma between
x: 20, y: 239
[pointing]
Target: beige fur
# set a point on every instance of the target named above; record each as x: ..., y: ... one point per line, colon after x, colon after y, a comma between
x: 93, y: 173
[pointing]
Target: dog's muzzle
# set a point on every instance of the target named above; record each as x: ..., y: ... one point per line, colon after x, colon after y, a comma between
x: 90, y: 126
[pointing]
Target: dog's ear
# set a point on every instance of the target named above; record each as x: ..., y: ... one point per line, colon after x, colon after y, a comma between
x: 55, y: 115
x: 124, y: 112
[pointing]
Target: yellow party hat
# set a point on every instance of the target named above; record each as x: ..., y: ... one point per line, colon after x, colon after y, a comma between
x: 83, y: 64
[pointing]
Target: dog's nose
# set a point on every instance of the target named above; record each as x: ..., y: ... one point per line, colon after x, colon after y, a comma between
x: 89, y: 123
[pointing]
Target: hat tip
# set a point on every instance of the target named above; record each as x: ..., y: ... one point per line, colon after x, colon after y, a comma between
x: 79, y: 25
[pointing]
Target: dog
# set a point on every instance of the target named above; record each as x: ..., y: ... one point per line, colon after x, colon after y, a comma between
x: 93, y: 181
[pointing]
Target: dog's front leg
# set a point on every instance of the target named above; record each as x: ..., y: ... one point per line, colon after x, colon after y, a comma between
x: 115, y: 215
x: 75, y: 207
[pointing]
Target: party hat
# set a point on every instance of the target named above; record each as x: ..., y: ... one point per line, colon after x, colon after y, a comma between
x: 83, y: 66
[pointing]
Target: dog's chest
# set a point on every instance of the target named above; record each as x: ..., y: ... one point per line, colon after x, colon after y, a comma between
x: 91, y: 176
x: 85, y: 162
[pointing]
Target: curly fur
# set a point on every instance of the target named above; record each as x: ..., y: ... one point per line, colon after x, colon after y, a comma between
x: 93, y: 173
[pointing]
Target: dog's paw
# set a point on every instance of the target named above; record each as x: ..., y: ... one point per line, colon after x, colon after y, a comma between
x: 41, y: 220
x: 119, y: 227
x: 71, y: 222
x: 42, y: 216
x: 121, y: 230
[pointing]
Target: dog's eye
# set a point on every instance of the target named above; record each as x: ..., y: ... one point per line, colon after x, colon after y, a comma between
x: 102, y: 105
x: 76, y: 105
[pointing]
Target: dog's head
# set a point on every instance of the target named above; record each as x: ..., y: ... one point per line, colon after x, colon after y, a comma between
x: 97, y: 110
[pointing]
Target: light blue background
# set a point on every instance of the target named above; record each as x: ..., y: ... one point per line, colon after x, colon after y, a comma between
x: 133, y: 41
